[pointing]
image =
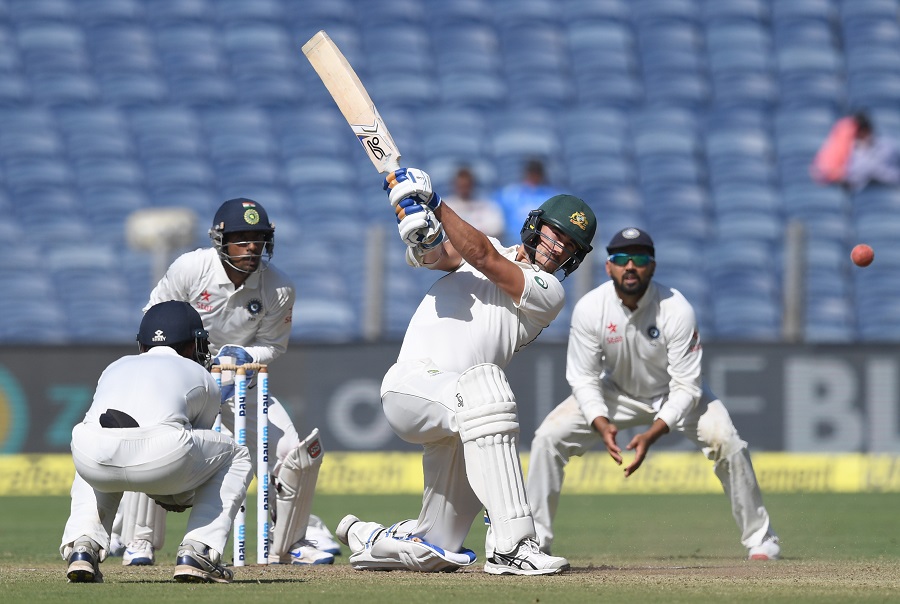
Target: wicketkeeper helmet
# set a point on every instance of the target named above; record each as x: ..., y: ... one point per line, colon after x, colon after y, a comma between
x: 240, y: 215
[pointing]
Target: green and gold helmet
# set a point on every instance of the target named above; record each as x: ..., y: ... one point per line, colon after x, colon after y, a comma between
x: 569, y: 214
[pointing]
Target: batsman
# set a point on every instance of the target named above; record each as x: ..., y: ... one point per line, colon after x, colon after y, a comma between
x: 448, y: 392
x: 246, y: 305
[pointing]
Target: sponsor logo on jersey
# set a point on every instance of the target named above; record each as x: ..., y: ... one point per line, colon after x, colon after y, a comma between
x: 653, y: 332
x: 541, y: 282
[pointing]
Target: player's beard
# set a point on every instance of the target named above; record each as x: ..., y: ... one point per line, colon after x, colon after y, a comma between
x: 634, y: 288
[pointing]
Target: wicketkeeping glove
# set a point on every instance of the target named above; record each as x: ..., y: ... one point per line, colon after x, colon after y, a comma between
x: 236, y: 355
x: 411, y: 182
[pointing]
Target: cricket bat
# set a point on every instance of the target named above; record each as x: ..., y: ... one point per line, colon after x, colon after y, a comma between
x: 352, y: 99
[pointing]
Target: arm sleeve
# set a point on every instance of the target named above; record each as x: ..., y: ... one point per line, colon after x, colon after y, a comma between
x: 685, y: 355
x: 584, y: 362
x: 275, y: 328
x: 203, y: 404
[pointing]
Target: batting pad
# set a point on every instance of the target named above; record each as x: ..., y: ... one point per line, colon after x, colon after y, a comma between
x: 295, y: 486
x: 409, y: 553
x: 142, y: 519
x: 489, y: 426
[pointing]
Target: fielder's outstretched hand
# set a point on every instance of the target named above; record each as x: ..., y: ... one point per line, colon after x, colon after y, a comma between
x: 608, y: 432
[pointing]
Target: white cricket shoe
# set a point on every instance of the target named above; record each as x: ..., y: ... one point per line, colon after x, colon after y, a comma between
x: 526, y: 559
x: 83, y: 561
x: 197, y: 563
x: 305, y: 552
x: 767, y: 550
x: 321, y: 537
x: 139, y: 553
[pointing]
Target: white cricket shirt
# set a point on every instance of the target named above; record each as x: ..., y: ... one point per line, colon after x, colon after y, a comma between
x: 257, y: 315
x: 157, y: 387
x: 465, y: 320
x: 651, y: 354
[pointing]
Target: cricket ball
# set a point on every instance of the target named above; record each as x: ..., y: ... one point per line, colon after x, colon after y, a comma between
x: 862, y: 255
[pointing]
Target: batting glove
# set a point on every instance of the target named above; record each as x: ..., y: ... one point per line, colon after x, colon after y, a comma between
x: 411, y: 182
x: 418, y: 225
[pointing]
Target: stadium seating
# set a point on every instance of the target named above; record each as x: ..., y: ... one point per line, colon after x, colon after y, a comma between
x: 695, y: 119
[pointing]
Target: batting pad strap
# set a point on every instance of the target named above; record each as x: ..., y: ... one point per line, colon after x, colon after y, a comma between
x: 295, y: 487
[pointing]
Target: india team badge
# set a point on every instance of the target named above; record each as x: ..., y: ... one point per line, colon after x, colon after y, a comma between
x: 251, y: 214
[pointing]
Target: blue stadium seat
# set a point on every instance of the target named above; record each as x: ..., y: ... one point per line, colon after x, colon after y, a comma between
x: 117, y: 48
x: 165, y: 12
x: 579, y: 11
x: 101, y: 13
x: 181, y: 171
x: 108, y: 171
x: 52, y: 47
x: 242, y: 12
x: 130, y: 90
x: 754, y: 11
x: 609, y: 90
x: 820, y: 90
x: 64, y: 89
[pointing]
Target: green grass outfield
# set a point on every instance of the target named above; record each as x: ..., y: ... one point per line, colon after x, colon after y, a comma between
x: 638, y: 548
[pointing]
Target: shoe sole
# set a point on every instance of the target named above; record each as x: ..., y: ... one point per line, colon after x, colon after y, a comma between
x: 80, y: 575
x: 189, y: 574
x: 82, y: 571
x: 498, y: 569
x: 762, y: 557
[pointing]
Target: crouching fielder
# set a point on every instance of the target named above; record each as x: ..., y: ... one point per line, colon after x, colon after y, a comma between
x: 447, y: 391
x: 634, y: 359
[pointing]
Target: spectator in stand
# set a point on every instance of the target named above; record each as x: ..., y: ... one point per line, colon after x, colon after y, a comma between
x: 517, y: 199
x: 483, y: 214
x: 854, y: 156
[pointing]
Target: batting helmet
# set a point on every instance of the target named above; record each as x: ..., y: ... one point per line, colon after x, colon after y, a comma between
x: 570, y: 215
x: 175, y: 324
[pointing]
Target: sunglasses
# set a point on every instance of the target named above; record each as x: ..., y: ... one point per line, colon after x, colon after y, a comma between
x: 639, y: 260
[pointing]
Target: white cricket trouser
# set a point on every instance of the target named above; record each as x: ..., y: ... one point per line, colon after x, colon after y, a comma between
x: 420, y: 407
x: 202, y: 467
x: 565, y: 433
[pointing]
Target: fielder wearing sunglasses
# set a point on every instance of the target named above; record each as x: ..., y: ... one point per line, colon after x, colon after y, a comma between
x: 622, y: 259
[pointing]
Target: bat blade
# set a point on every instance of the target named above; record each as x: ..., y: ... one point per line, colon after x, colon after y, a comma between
x: 354, y: 102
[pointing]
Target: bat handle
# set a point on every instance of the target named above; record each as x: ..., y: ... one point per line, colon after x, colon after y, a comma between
x: 390, y: 164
